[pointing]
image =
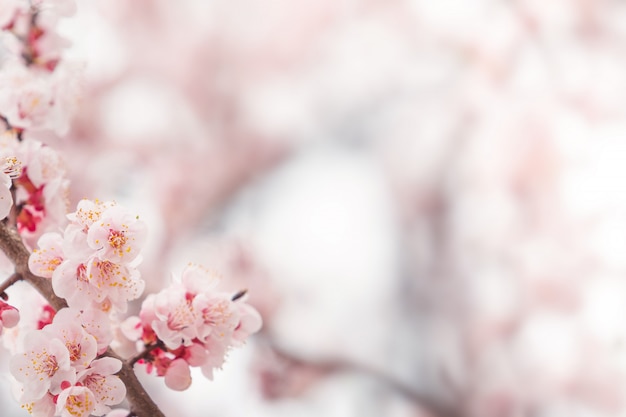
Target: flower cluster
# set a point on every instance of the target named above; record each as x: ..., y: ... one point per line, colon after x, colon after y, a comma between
x: 40, y: 190
x: 190, y: 323
x: 93, y: 264
x: 34, y: 176
x: 34, y: 93
x: 59, y: 374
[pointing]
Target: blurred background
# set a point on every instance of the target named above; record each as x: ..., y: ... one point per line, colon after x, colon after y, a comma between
x: 425, y: 199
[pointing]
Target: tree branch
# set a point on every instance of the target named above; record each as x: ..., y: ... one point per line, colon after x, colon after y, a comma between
x: 12, y: 245
x: 7, y: 283
x: 425, y: 402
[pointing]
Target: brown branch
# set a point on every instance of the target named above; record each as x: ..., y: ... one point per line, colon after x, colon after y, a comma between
x: 11, y: 244
x: 140, y: 402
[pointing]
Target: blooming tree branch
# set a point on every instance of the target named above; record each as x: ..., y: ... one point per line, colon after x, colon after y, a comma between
x: 85, y: 263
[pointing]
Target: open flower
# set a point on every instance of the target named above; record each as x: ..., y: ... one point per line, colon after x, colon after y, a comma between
x: 176, y: 321
x: 41, y: 366
x: 107, y: 389
x: 75, y: 401
x: 44, y: 260
x: 117, y: 236
x: 82, y: 346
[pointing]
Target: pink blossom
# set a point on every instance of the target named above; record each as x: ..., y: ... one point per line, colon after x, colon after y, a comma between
x: 87, y: 213
x: 98, y: 324
x: 76, y: 401
x: 81, y: 345
x: 43, y: 407
x: 41, y: 366
x: 219, y: 315
x: 107, y: 388
x: 176, y: 320
x: 45, y: 260
x: 70, y: 281
x: 117, y: 283
x: 117, y: 236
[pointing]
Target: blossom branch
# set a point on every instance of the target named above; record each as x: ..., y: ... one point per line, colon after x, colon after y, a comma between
x: 11, y: 244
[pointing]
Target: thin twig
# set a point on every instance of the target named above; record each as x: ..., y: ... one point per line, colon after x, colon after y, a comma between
x: 7, y: 283
x: 145, y: 353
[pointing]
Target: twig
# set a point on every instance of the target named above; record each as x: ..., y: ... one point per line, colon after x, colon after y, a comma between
x: 142, y: 355
x: 7, y: 283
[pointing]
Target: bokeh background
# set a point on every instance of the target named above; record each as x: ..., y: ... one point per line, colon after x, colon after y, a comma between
x: 425, y: 199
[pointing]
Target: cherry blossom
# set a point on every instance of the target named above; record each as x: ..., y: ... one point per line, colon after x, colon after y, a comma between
x: 81, y: 345
x: 41, y: 366
x: 117, y: 236
x: 76, y: 401
x: 106, y: 388
x: 43, y: 407
x: 45, y: 260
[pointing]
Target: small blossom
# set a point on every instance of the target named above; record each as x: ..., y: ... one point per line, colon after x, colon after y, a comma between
x: 117, y: 236
x: 98, y: 324
x: 82, y: 346
x: 44, y: 260
x: 70, y: 281
x: 75, y: 401
x: 107, y: 388
x: 117, y: 283
x: 42, y: 366
x: 176, y: 321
